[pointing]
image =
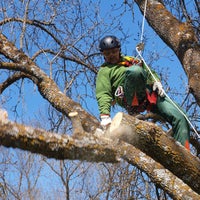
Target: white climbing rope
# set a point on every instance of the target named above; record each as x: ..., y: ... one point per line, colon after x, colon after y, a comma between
x: 143, y: 21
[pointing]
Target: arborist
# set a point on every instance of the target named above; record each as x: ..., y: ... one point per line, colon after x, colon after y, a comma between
x: 126, y: 81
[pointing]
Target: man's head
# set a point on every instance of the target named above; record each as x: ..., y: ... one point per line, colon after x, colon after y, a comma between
x: 110, y: 47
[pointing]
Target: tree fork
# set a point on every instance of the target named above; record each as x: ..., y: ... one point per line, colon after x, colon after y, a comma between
x: 152, y: 140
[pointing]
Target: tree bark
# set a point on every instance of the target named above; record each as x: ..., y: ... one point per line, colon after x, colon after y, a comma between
x: 153, y: 141
x: 180, y: 37
x: 166, y: 180
x: 92, y: 149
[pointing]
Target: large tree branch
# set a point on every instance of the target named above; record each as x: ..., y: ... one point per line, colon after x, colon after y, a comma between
x: 180, y: 37
x: 153, y: 141
x: 46, y: 86
x: 92, y: 149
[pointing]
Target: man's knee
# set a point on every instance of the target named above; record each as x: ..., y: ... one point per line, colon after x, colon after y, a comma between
x: 135, y: 72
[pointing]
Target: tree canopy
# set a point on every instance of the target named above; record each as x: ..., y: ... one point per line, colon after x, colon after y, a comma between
x: 49, y: 59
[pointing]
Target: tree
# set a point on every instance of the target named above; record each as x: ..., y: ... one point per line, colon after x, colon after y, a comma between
x: 64, y: 45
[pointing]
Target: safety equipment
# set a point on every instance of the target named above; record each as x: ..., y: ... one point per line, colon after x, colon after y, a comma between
x: 105, y: 120
x: 109, y: 42
x: 119, y: 92
x: 194, y: 129
x: 157, y: 86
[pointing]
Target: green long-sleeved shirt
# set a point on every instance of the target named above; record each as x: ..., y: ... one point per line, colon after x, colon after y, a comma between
x: 109, y: 78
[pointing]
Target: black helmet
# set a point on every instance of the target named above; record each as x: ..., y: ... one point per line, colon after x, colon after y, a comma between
x: 109, y: 42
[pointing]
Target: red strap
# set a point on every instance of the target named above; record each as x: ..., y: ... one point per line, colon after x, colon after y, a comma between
x: 131, y: 61
x: 152, y: 98
x: 146, y: 105
x: 187, y: 145
x: 135, y: 101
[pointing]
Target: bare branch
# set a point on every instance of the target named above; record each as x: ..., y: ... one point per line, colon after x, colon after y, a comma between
x: 46, y: 86
x: 24, y: 24
x: 70, y: 58
x: 91, y: 149
x: 33, y: 23
x: 15, y: 77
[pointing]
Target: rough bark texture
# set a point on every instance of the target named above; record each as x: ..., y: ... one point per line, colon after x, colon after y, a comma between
x: 152, y: 140
x: 180, y: 37
x: 56, y: 146
x: 174, y: 186
x: 92, y: 149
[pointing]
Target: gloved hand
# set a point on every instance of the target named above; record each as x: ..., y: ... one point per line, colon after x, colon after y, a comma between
x: 105, y: 120
x: 158, y: 86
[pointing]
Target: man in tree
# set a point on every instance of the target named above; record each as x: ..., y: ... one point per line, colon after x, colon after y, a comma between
x: 127, y: 81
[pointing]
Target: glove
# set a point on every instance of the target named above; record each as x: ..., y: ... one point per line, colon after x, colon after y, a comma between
x: 158, y: 86
x: 105, y: 120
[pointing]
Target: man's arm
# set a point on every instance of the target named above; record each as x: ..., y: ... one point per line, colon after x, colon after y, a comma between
x: 104, y: 96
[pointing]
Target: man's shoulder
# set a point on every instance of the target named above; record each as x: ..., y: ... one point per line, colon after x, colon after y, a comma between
x: 129, y: 58
x: 104, y: 68
x: 105, y: 64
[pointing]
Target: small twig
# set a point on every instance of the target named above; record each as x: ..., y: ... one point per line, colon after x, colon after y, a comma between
x: 24, y: 25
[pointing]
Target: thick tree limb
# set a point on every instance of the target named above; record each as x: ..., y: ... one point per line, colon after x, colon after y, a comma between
x: 180, y: 37
x: 54, y: 145
x: 46, y: 86
x: 174, y: 186
x: 152, y: 140
x: 92, y: 149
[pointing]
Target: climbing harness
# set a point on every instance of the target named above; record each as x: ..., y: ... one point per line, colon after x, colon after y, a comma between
x: 139, y: 49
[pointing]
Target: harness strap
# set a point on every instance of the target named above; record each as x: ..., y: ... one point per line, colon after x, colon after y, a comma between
x: 136, y: 107
x: 129, y: 61
x: 152, y: 99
